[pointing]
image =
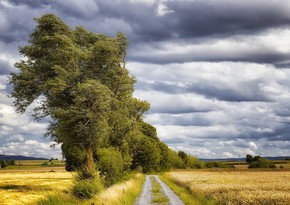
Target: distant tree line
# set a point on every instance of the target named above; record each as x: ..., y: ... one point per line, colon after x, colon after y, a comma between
x: 259, y: 162
x: 5, y: 163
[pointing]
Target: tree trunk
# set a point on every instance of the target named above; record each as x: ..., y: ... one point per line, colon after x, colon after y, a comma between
x: 90, y: 165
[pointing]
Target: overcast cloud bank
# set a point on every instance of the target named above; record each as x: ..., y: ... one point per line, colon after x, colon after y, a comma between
x: 216, y: 72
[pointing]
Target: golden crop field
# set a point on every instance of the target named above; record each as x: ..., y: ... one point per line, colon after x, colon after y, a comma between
x: 27, y: 187
x: 238, y: 187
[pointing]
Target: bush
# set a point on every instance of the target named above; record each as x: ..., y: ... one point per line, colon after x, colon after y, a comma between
x: 262, y: 163
x: 111, y: 165
x: 86, y: 188
x: 216, y: 165
x: 4, y: 164
x: 146, y: 153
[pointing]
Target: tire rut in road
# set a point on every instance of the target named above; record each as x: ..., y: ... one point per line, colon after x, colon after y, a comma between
x: 146, y: 195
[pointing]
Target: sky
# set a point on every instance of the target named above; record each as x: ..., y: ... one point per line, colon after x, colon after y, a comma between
x: 216, y: 72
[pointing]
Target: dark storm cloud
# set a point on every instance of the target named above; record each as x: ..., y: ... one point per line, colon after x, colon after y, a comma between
x: 31, y: 3
x: 278, y: 145
x: 281, y: 133
x: 160, y: 54
x: 16, y: 28
x: 188, y: 119
x: 248, y: 91
x: 205, y: 18
x: 245, y: 91
x: 193, y: 21
x: 197, y: 19
x: 174, y: 109
x: 190, y: 19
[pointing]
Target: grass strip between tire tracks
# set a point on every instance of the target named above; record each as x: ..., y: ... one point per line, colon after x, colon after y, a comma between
x: 157, y: 193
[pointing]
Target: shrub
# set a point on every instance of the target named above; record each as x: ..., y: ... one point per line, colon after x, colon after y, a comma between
x: 4, y: 164
x: 86, y: 188
x: 146, y: 153
x: 262, y: 163
x: 111, y: 165
x: 249, y: 158
x: 216, y: 165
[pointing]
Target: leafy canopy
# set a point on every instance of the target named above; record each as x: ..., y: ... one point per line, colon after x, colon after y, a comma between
x: 77, y: 78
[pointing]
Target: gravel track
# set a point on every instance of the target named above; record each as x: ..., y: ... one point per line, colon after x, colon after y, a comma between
x: 146, y: 195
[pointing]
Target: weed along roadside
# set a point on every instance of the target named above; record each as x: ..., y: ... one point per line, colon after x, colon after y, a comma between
x: 155, y: 191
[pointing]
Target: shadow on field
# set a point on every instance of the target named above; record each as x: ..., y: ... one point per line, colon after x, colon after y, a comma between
x: 23, y: 187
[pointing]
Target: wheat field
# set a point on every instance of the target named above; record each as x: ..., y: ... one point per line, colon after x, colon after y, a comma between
x: 237, y: 187
x: 19, y: 188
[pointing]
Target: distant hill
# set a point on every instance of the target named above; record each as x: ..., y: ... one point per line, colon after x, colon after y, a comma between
x: 243, y: 159
x: 19, y: 157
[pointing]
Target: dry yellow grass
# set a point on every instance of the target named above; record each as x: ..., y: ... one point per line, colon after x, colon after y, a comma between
x: 238, y: 187
x: 122, y: 193
x: 19, y: 188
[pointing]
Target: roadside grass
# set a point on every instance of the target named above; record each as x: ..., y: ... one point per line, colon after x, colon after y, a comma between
x: 185, y: 193
x: 58, y: 199
x: 157, y: 193
x: 124, y: 193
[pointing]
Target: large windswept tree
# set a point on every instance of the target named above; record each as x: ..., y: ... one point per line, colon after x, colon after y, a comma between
x: 78, y: 78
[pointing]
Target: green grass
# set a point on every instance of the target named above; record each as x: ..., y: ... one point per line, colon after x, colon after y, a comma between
x: 185, y: 193
x: 124, y: 193
x: 157, y: 193
x: 58, y: 199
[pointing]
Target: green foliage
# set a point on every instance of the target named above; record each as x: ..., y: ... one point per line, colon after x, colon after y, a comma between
x: 249, y: 158
x: 75, y: 157
x: 11, y: 162
x: 79, y: 78
x: 57, y: 199
x: 145, y: 152
x: 175, y: 160
x: 256, y: 158
x: 262, y: 163
x: 86, y: 188
x: 111, y: 165
x: 193, y: 163
x: 216, y: 165
x: 183, y: 156
x: 148, y: 130
x: 4, y: 163
x: 164, y: 164
x: 158, y: 197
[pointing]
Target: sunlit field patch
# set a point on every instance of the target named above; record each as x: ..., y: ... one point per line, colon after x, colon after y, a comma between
x: 238, y: 187
x: 19, y: 188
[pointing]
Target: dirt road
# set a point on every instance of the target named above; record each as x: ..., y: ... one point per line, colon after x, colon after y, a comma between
x: 146, y: 195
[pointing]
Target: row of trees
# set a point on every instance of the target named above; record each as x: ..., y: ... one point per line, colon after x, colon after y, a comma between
x: 78, y: 80
x: 5, y: 163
